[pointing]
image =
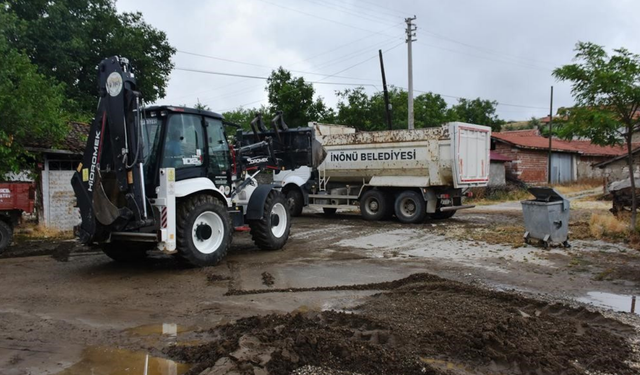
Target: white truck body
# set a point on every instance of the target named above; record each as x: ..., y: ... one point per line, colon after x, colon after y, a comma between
x: 440, y: 163
x: 453, y: 155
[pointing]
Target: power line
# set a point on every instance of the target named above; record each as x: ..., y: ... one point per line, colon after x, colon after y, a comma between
x: 263, y: 66
x: 484, y: 57
x: 362, y: 62
x: 318, y: 17
x: 354, y: 54
x: 347, y: 44
x: 460, y: 97
x: 382, y: 7
x: 485, y: 50
x: 265, y: 78
x: 343, y: 9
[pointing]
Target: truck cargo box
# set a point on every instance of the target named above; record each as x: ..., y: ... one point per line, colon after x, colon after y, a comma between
x: 456, y: 154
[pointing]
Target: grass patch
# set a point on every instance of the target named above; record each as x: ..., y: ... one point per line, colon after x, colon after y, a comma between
x: 608, y: 226
x: 30, y: 231
x: 574, y: 187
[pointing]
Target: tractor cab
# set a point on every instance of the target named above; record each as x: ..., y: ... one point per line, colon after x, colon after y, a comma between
x: 191, y: 141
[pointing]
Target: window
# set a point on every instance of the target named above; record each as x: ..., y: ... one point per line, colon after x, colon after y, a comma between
x: 218, y: 148
x: 184, y: 144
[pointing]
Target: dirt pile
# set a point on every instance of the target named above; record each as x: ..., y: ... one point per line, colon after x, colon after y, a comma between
x: 422, y: 325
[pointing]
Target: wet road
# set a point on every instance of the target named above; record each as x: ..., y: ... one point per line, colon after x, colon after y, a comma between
x: 71, y: 317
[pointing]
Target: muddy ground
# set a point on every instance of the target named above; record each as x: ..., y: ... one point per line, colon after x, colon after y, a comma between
x: 461, y: 296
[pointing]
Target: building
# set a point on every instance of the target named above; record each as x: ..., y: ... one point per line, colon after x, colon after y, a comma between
x: 570, y: 160
x: 497, y: 171
x: 617, y: 169
x: 55, y: 166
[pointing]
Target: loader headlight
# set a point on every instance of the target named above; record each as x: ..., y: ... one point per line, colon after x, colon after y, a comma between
x: 227, y: 190
x: 114, y: 84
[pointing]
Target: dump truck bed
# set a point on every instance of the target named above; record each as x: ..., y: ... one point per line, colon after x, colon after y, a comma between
x: 456, y: 154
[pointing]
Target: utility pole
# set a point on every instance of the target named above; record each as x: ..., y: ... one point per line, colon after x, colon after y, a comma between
x: 387, y: 106
x: 550, y: 131
x: 411, y: 28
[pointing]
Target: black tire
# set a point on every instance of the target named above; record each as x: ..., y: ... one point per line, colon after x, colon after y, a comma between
x: 374, y: 205
x: 295, y: 200
x: 441, y: 215
x: 6, y: 235
x: 410, y: 207
x: 203, y: 229
x: 329, y: 211
x: 126, y: 252
x: 269, y: 233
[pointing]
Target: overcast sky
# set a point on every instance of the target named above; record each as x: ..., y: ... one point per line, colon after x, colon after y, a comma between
x: 502, y: 50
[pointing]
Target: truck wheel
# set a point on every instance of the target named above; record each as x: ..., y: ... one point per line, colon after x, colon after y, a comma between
x: 295, y: 202
x: 329, y: 211
x: 6, y: 235
x: 272, y: 231
x: 410, y: 207
x: 203, y: 229
x: 373, y: 205
x: 441, y: 215
x: 125, y: 252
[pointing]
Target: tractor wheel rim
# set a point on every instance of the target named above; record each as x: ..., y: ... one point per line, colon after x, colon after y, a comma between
x: 408, y: 207
x: 278, y: 220
x: 207, y: 232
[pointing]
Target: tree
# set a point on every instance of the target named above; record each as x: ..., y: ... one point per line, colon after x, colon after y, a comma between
x: 606, y: 90
x: 354, y: 108
x: 30, y: 104
x: 201, y: 106
x: 431, y: 110
x: 294, y: 97
x: 478, y: 111
x: 243, y: 116
x: 67, y: 39
x: 357, y: 109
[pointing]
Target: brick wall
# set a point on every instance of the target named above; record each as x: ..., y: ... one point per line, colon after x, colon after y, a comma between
x: 60, y: 212
x: 527, y: 165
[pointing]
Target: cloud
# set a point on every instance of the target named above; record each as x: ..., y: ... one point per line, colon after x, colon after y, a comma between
x: 501, y: 50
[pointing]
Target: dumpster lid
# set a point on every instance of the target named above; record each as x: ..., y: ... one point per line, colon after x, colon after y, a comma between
x: 547, y: 194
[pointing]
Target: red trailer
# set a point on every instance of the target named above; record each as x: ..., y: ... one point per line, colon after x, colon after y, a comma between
x: 16, y: 198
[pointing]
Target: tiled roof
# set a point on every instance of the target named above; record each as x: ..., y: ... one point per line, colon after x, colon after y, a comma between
x: 74, y: 142
x: 531, y: 139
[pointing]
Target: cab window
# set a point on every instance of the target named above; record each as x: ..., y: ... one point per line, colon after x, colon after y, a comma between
x: 184, y: 146
x: 218, y: 147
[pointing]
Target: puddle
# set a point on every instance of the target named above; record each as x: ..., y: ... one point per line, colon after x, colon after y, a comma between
x: 164, y: 329
x: 100, y: 360
x: 616, y: 302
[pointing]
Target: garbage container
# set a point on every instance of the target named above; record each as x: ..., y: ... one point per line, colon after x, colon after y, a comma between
x: 546, y: 218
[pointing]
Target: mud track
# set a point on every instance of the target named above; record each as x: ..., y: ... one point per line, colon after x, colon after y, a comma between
x: 423, y: 324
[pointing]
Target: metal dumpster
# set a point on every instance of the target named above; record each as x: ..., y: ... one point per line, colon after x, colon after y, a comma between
x: 546, y: 218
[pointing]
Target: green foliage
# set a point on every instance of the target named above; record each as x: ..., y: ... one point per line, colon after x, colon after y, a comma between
x: 243, y: 116
x: 202, y: 106
x: 431, y: 110
x: 294, y: 97
x: 478, y: 111
x: 357, y: 109
x: 30, y: 104
x: 67, y: 39
x: 606, y: 90
x: 534, y: 123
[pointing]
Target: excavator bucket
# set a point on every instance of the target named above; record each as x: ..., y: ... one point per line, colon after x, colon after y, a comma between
x: 105, y: 211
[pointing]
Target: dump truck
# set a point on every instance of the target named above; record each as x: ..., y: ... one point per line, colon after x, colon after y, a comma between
x: 411, y: 174
x: 16, y: 198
